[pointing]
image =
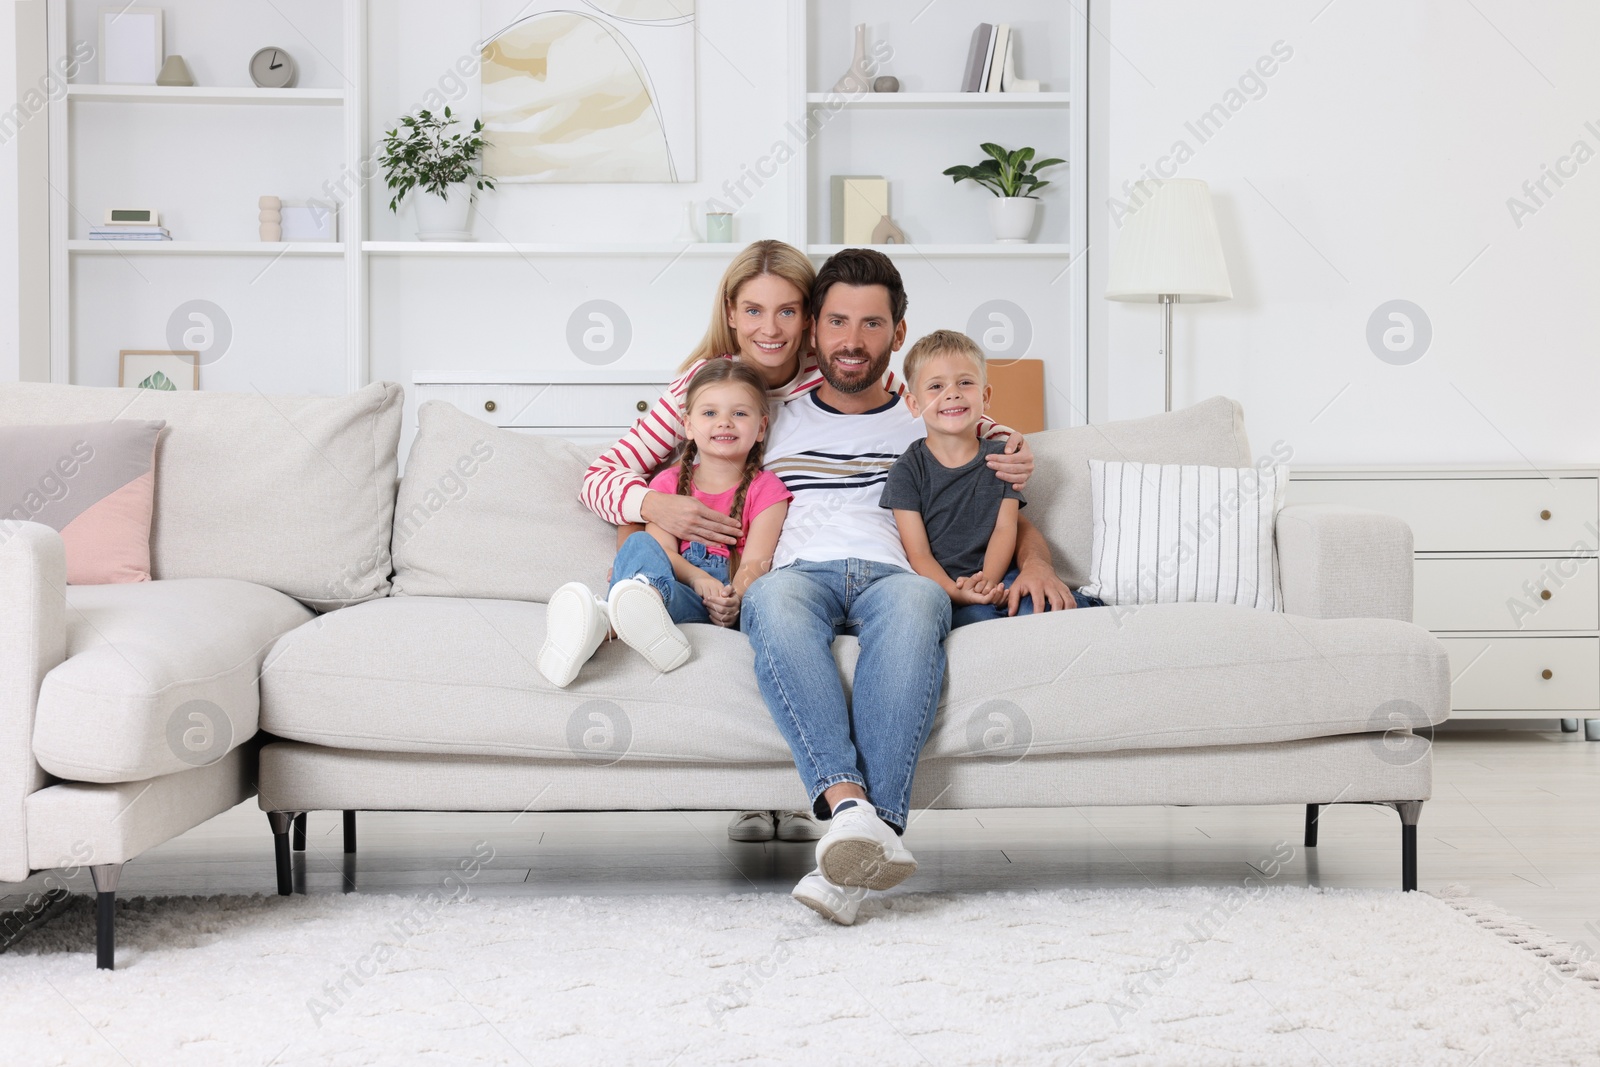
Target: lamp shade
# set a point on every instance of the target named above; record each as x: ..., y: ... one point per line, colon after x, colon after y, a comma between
x: 1170, y: 247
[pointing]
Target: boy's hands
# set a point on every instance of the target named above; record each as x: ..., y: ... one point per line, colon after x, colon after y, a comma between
x: 978, y: 590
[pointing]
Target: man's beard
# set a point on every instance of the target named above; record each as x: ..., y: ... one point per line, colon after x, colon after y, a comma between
x: 875, y: 368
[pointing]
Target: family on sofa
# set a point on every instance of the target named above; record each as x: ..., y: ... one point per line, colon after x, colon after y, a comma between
x: 803, y: 493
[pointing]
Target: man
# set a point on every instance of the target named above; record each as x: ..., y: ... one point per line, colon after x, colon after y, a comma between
x: 839, y: 568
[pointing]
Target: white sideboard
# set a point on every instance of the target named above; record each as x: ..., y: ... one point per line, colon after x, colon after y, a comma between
x: 1506, y: 576
x: 594, y: 406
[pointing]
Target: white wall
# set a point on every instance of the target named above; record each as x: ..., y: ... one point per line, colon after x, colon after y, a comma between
x: 1376, y: 166
x: 9, y: 367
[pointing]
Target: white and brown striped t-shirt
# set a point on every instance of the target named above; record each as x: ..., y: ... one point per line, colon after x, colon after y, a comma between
x: 835, y: 465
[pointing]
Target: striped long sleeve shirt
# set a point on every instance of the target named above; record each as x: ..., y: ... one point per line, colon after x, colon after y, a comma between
x: 614, y: 486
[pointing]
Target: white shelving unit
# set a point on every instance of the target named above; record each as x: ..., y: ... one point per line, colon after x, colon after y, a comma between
x: 202, y: 155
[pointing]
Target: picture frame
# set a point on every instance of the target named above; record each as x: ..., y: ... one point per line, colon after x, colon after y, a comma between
x: 139, y: 368
x: 132, y: 45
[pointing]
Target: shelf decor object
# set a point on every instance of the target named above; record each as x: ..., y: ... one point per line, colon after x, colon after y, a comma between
x: 175, y: 72
x: 605, y: 94
x: 1013, y: 178
x: 859, y: 201
x: 858, y: 79
x: 131, y: 45
x: 719, y: 227
x: 273, y: 68
x: 314, y: 221
x: 271, y: 218
x: 439, y: 164
x: 168, y: 371
x: 1009, y: 82
x: 1170, y: 251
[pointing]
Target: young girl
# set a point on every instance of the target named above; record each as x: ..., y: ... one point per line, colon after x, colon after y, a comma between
x: 658, y: 580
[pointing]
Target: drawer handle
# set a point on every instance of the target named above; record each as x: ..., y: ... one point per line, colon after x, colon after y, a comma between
x: 1545, y: 514
x: 642, y: 406
x: 488, y: 405
x: 1544, y: 594
x: 1546, y: 674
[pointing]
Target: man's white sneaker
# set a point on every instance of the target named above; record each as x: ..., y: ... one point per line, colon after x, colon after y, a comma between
x: 751, y: 826
x: 798, y: 826
x: 828, y: 900
x: 574, y: 625
x: 861, y: 849
x: 639, y: 616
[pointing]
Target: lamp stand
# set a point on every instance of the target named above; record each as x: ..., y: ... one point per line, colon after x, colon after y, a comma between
x: 1166, y: 340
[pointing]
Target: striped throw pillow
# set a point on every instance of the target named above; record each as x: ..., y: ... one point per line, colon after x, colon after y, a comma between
x: 1166, y: 533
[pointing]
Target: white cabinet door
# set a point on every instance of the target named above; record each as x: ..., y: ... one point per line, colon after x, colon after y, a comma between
x: 1472, y: 514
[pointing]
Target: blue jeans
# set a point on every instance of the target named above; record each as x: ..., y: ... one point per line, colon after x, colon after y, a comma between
x: 968, y: 614
x: 641, y: 556
x: 792, y: 616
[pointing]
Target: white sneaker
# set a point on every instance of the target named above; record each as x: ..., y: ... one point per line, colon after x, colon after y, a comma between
x: 798, y: 826
x: 639, y: 616
x: 751, y: 826
x: 861, y: 849
x: 574, y: 625
x: 828, y: 900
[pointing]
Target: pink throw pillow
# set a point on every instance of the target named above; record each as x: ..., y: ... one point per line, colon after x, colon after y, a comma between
x: 94, y: 483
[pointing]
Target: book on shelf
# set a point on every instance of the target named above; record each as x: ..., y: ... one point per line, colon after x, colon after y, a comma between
x: 997, y: 57
x: 129, y: 233
x: 977, y: 54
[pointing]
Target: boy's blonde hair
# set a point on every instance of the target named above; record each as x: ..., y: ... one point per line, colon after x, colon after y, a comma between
x: 940, y: 343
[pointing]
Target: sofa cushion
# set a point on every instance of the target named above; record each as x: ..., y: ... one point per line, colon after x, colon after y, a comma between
x: 443, y: 675
x: 1211, y: 432
x: 93, y: 483
x: 486, y: 512
x: 292, y: 492
x: 160, y: 677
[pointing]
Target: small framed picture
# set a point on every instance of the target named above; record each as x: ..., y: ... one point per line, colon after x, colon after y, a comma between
x: 132, y: 45
x: 173, y: 372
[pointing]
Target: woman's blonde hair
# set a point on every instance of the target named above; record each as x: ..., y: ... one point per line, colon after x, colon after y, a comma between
x: 715, y: 373
x: 764, y: 257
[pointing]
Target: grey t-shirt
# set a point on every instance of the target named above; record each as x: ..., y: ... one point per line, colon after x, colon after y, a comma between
x: 959, y: 505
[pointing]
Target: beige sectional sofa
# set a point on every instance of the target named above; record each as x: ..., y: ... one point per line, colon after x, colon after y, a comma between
x: 337, y: 689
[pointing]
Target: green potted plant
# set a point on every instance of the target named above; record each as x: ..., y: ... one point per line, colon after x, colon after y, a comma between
x: 422, y: 154
x: 1013, y: 178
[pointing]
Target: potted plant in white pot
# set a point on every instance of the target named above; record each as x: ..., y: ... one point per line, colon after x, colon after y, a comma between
x: 421, y: 154
x: 1013, y: 178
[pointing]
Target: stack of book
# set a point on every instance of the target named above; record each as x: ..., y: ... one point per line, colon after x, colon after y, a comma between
x: 121, y: 232
x: 986, y: 59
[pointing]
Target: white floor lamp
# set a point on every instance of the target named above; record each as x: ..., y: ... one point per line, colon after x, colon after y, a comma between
x: 1169, y: 251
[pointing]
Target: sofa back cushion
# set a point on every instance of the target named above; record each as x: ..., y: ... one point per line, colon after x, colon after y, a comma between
x: 295, y: 493
x: 488, y: 513
x: 1059, y: 499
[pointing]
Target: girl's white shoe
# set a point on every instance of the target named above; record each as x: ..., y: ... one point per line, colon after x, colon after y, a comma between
x: 640, y: 617
x: 575, y: 624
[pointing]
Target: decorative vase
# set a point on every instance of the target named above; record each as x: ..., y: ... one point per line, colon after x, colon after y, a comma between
x: 688, y: 234
x: 444, y: 218
x: 1012, y: 218
x: 858, y: 79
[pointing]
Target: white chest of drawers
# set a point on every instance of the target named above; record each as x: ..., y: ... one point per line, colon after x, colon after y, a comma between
x: 1506, y: 576
x: 594, y: 406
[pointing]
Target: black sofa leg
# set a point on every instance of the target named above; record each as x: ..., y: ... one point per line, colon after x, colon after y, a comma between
x: 349, y: 833
x: 105, y: 914
x: 1313, y: 812
x: 1410, y: 811
x: 282, y: 822
x: 300, y: 832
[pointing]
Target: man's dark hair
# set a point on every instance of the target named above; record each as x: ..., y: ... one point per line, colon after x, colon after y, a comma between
x: 859, y: 267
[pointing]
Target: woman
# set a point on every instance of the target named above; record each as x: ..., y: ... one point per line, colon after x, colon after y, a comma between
x: 761, y: 315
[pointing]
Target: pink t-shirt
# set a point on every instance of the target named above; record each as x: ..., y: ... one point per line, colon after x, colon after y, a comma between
x: 766, y: 489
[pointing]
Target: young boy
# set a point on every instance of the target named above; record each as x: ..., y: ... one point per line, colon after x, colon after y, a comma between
x: 957, y: 521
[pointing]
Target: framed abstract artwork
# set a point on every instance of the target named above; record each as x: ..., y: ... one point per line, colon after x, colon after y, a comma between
x: 589, y: 90
x: 175, y: 372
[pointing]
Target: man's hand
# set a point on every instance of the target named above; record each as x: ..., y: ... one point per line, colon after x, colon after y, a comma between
x: 1038, y: 581
x: 687, y: 519
x: 1014, y: 465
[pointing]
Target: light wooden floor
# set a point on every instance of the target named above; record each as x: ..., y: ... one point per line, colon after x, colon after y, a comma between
x: 1510, y: 819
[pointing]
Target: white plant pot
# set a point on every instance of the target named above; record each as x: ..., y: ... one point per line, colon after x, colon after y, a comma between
x: 444, y: 218
x: 1012, y: 218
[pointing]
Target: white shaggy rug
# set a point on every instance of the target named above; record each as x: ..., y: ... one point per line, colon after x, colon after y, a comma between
x: 1202, y: 976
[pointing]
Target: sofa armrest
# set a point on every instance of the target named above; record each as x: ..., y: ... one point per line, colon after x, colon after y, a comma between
x: 1339, y: 562
x: 33, y: 640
